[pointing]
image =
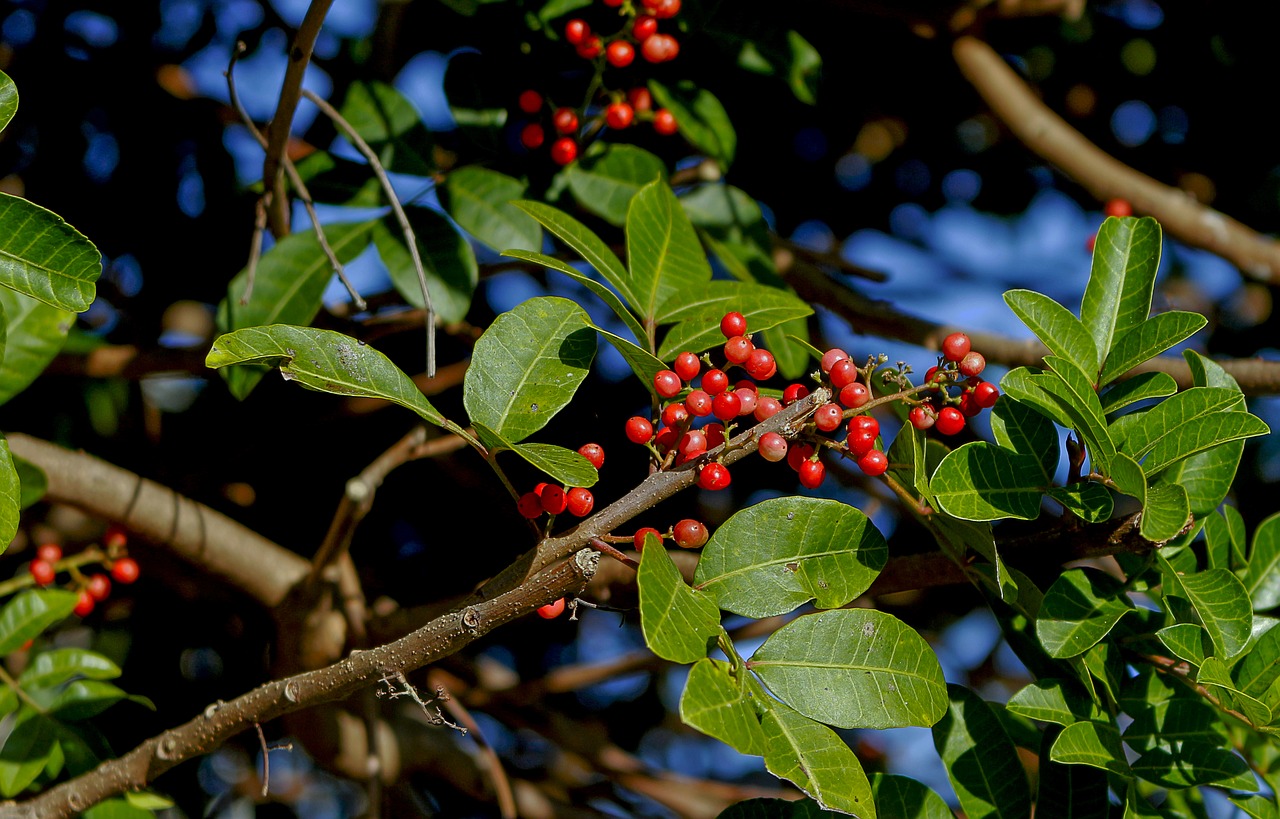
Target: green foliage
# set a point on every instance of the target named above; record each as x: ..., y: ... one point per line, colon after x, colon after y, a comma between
x: 391, y: 125
x: 480, y: 200
x: 817, y: 760
x: 608, y: 175
x: 43, y: 257
x: 8, y: 99
x: 35, y: 333
x: 448, y: 262
x: 700, y: 117
x: 679, y: 623
x: 980, y: 758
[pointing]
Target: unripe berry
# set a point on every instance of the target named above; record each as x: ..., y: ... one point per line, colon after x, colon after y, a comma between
x: 645, y: 26
x: 698, y: 403
x: 640, y: 536
x: 579, y: 501
x: 593, y: 453
x: 827, y: 417
x: 794, y: 392
x: 530, y: 101
x: 532, y: 136
x: 553, y: 500
x: 738, y: 349
x: 666, y: 384
x: 125, y: 570
x: 773, y: 447
x: 950, y: 421
x: 551, y: 610
x: 715, y: 381
x: 873, y: 463
x: 619, y: 115
x: 766, y: 407
x: 726, y: 406
x: 690, y: 534
x: 664, y: 122
x: 714, y: 476
x: 639, y: 430
x: 42, y: 572
x: 812, y: 474
x: 855, y: 395
x: 563, y: 151
x: 972, y: 364
x: 530, y: 505
x: 687, y: 366
x: 620, y: 53
x: 955, y: 346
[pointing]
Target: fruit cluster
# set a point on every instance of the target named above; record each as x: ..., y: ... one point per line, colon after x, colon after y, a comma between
x: 615, y: 108
x: 93, y: 588
x: 554, y: 500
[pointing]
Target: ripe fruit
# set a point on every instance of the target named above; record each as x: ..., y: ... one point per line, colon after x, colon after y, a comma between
x: 565, y: 120
x: 689, y: 534
x: 664, y: 122
x: 638, y: 540
x: 645, y: 26
x: 843, y: 373
x: 563, y: 151
x: 115, y: 538
x: 864, y: 423
x: 664, y: 9
x: 715, y: 382
x: 580, y: 501
x: 1115, y: 207
x: 738, y: 349
x: 593, y: 453
x: 99, y: 587
x: 619, y: 115
x: 828, y: 417
x: 950, y: 421
x: 726, y: 406
x: 922, y: 417
x: 532, y: 136
x: 714, y: 476
x: 49, y: 553
x: 125, y: 570
x: 675, y: 414
x: 553, y: 500
x: 733, y: 323
x: 855, y: 395
x: 692, y: 444
x: 42, y: 572
x: 969, y: 407
x: 972, y: 364
x: 793, y: 393
x: 773, y: 447
x: 955, y: 346
x: 640, y: 99
x: 620, y: 53
x: 687, y: 366
x: 986, y: 395
x: 830, y: 357
x: 715, y: 435
x: 760, y: 365
x: 698, y: 403
x: 589, y: 49
x: 530, y: 505
x: 812, y: 474
x: 798, y: 455
x: 747, y: 399
x: 576, y: 31
x: 660, y: 48
x: 639, y: 430
x: 530, y: 101
x: 860, y: 442
x: 767, y: 407
x: 551, y: 610
x: 666, y: 438
x: 874, y: 463
x: 84, y: 605
x: 666, y: 384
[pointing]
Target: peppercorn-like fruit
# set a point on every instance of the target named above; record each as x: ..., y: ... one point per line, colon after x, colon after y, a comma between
x: 530, y: 505
x: 687, y: 366
x: 640, y: 99
x: 690, y: 534
x: 576, y: 31
x: 812, y: 473
x: 563, y: 151
x: 794, y: 392
x: 827, y: 417
x: 675, y: 414
x: 660, y: 48
x: 986, y: 395
x: 579, y: 501
x: 666, y: 384
x: 619, y: 115
x: 950, y: 421
x: 553, y: 499
x: 664, y: 122
x: 565, y: 120
x: 726, y: 406
x: 125, y: 570
x: 843, y: 373
x: 639, y: 430
x: 1115, y: 207
x: 42, y: 572
x: 640, y: 536
x: 714, y: 476
x: 766, y: 407
x: 99, y: 587
x: 923, y: 416
x: 714, y: 382
x: 972, y: 364
x: 593, y: 453
x: 830, y: 357
x: 873, y: 463
x: 760, y: 365
x: 49, y: 553
x: 530, y: 101
x: 698, y: 402
x: 955, y: 346
x: 532, y: 136
x: 773, y: 447
x: 620, y: 53
x: 645, y: 26
x: 855, y: 395
x: 733, y: 324
x: 84, y: 604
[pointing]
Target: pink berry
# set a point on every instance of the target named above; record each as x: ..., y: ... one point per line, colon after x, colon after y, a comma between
x: 698, y: 403
x: 748, y: 399
x: 972, y: 364
x: 922, y: 417
x: 692, y: 443
x: 830, y: 357
x: 828, y: 417
x: 773, y: 447
x: 766, y: 407
x: 42, y: 572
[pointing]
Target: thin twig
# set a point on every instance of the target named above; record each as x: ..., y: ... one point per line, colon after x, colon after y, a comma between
x: 410, y: 239
x: 266, y: 760
x: 255, y: 244
x: 493, y: 765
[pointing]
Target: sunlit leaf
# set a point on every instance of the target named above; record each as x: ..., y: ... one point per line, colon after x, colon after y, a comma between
x: 662, y: 250
x: 588, y: 245
x: 981, y: 760
x: 1165, y: 512
x: 1096, y: 744
x: 44, y: 257
x: 606, y: 295
x: 117, y: 809
x: 1052, y: 700
x: 35, y: 333
x: 642, y: 362
x: 1090, y: 501
x: 1207, y: 475
x: 26, y: 751
x: 697, y: 312
x: 1079, y: 609
x: 1222, y: 604
x: 604, y: 180
x: 1193, y: 424
x: 679, y: 623
x: 1215, y: 677
x: 1126, y: 255
x: 1139, y: 388
x: 1018, y: 427
x: 8, y: 100
x: 1149, y: 339
x: 1262, y: 575
x: 30, y: 612
x: 902, y: 797
x: 386, y: 120
x: 54, y: 667
x: 1256, y: 806
x: 448, y: 262
x: 979, y: 481
x: 10, y: 496
x: 720, y: 706
x: 1184, y: 641
x: 1055, y: 325
x: 562, y: 465
x: 479, y: 200
x: 817, y: 761
x: 1259, y: 668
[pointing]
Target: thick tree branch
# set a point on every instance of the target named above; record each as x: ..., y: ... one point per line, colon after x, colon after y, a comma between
x: 1104, y: 176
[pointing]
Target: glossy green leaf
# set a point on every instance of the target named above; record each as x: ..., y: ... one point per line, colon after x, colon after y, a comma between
x: 10, y: 496
x: 528, y: 365
x: 117, y: 809
x: 777, y: 809
x: 1256, y: 806
x: 1052, y: 700
x: 1096, y: 744
x: 288, y: 287
x: 981, y: 760
x: 1127, y: 476
x: 901, y: 797
x: 44, y: 257
x: 963, y: 536
x: 680, y: 624
x: 662, y: 250
x: 642, y: 362
x: 54, y: 667
x: 391, y: 125
x: 1149, y: 339
x: 479, y: 200
x: 1065, y: 791
x: 732, y: 226
x: 700, y: 117
x: 1207, y: 475
x: 1079, y: 609
x: 1106, y: 665
x: 1220, y: 600
x: 1165, y: 512
x: 26, y: 751
x: 1184, y: 641
x: 588, y: 245
x: 980, y: 481
x: 604, y: 180
x: 1136, y: 805
x: 1197, y: 435
x: 147, y: 800
x: 697, y: 312
x: 1073, y: 386
x: 853, y: 668
x: 34, y: 335
x: 30, y: 612
x: 1139, y: 388
x: 448, y: 262
x: 1262, y: 575
x: 1194, y: 763
x: 791, y: 357
x: 8, y: 100
x: 606, y: 295
x: 324, y: 361
x: 1020, y: 428
x: 32, y: 480
x: 817, y: 761
x: 332, y: 179
x: 85, y: 698
x: 1055, y: 325
x: 1259, y: 668
x: 776, y: 555
x: 1237, y: 536
x: 1215, y: 677
x: 1168, y: 723
x: 563, y: 465
x: 1090, y: 501
x: 720, y: 706
x: 1126, y: 255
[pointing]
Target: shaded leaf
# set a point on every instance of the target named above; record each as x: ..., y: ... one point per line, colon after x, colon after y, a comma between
x: 10, y: 496
x: 776, y: 809
x: 1194, y: 763
x: 1149, y: 339
x: 1126, y: 255
x: 1216, y: 678
x: 1079, y: 609
x: 1139, y: 388
x: 117, y: 809
x: 642, y: 362
x: 700, y: 117
x: 85, y: 698
x: 1055, y: 325
x: 1090, y: 501
x: 563, y: 465
x: 662, y: 250
x: 817, y: 761
x: 606, y: 295
x: 32, y: 480
x: 1262, y: 575
x: 448, y: 262
x: 1068, y: 791
x: 54, y: 667
x: 34, y: 334
x: 1185, y: 641
x: 1168, y: 723
x: 979, y: 481
x: 1083, y: 406
x: 1207, y: 475
x: 1220, y: 600
x: 477, y: 88
x: 588, y: 245
x: 44, y: 257
x: 720, y: 706
x: 341, y: 181
x: 901, y: 797
x: 26, y: 751
x: 8, y: 100
x: 604, y: 180
x: 1052, y: 700
x: 791, y: 357
x: 981, y: 760
x: 1020, y: 428
x: 386, y: 120
x: 679, y: 623
x: 30, y: 612
x: 1096, y: 744
x: 479, y: 200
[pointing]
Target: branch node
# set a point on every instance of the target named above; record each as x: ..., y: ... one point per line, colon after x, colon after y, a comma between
x: 213, y: 708
x: 290, y: 692
x: 470, y: 618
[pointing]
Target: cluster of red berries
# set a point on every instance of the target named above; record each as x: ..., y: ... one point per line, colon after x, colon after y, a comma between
x: 639, y: 30
x: 93, y: 588
x: 960, y: 366
x: 1113, y: 207
x: 553, y: 500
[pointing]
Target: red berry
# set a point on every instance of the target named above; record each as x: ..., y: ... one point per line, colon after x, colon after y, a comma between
x: 42, y: 572
x: 115, y: 538
x: 714, y: 476
x: 532, y: 136
x: 864, y: 423
x: 577, y: 31
x: 530, y: 505
x: 620, y: 53
x: 828, y: 417
x: 640, y: 536
x: 537, y: 490
x: 664, y: 122
x: 793, y: 393
x: 923, y: 416
x: 812, y: 474
x: 551, y: 610
x: 613, y: 3
x: 675, y: 414
x: 589, y: 49
x: 645, y: 26
x: 760, y: 365
x: 830, y: 357
x: 689, y: 534
x: 773, y: 447
x: 125, y: 570
x: 639, y: 430
x: 860, y: 442
x: 950, y: 421
x: 593, y: 453
x: 766, y: 407
x: 955, y: 346
x: 692, y: 444
x: 687, y: 366
x: 665, y: 9
x: 798, y: 455
x: 619, y: 115
x: 580, y: 501
x: 855, y: 395
x: 660, y: 48
x: 715, y: 435
x: 666, y: 384
x: 738, y: 349
x: 530, y: 101
x: 565, y: 120
x: 1114, y: 207
x: 715, y: 382
x: 1091, y: 242
x: 666, y: 438
x: 873, y: 463
x: 733, y: 324
x: 969, y: 407
x: 698, y: 403
x: 935, y: 376
x: 972, y: 364
x: 563, y: 151
x: 843, y: 373
x: 49, y: 553
x: 99, y: 587
x: 84, y: 605
x: 986, y: 395
x: 747, y: 399
x: 553, y: 500
x: 640, y: 99
x: 726, y: 406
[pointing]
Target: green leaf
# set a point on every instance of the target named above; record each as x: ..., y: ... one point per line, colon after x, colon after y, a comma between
x: 391, y: 125
x: 8, y: 100
x: 1055, y: 325
x: 1126, y: 255
x: 55, y: 667
x: 1020, y: 428
x: 32, y: 480
x: 1106, y: 665
x: 1256, y: 806
x: 1168, y: 723
x: 1127, y: 476
x: 147, y: 800
x: 662, y: 249
x: 10, y: 496
x: 608, y: 175
x: 26, y: 751
x: 1207, y: 476
x: 1090, y: 501
x: 1262, y: 575
x: 777, y: 809
x: 732, y: 226
x: 478, y: 88
x: 606, y: 295
x: 1079, y: 609
x: 1196, y: 423
x: 817, y: 761
x: 1082, y: 406
x: 1220, y: 600
x: 588, y: 245
x: 680, y: 624
x: 1216, y: 678
x: 1165, y: 512
x: 324, y: 361
x: 791, y: 356
x: 117, y: 809
x: 1052, y: 700
x: 1258, y: 670
x: 448, y: 262
x: 563, y: 465
x: 721, y: 706
x: 34, y: 335
x: 642, y: 362
x: 85, y: 698
x: 902, y: 797
x: 778, y: 554
x: 698, y: 310
x: 30, y: 612
x: 979, y: 481
x: 342, y: 181
x: 1068, y: 791
x: 479, y: 200
x: 558, y: 8
x: 1194, y: 763
x: 288, y: 287
x: 1096, y: 744
x: 966, y: 535
x: 853, y: 668
x: 1185, y: 641
x: 1139, y: 388
x: 44, y: 257
x: 1149, y: 339
x: 981, y: 760
x: 528, y: 365
x: 700, y: 117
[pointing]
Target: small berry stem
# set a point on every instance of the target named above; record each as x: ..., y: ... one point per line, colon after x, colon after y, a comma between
x: 605, y: 549
x: 24, y: 580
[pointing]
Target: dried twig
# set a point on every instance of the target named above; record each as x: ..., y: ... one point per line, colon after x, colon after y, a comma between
x: 493, y: 766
